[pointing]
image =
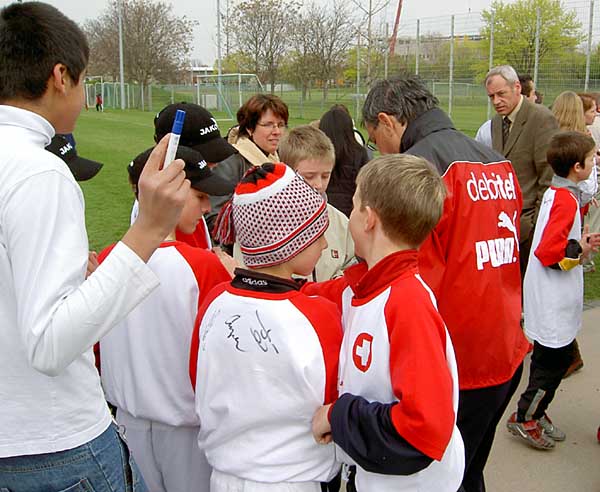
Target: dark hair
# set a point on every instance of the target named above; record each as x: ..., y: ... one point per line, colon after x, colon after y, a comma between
x: 34, y: 37
x: 404, y: 97
x: 539, y: 97
x: 251, y: 111
x: 337, y: 125
x: 587, y: 99
x: 526, y: 84
x: 566, y: 149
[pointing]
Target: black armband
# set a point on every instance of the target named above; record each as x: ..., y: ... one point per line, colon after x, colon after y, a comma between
x: 571, y: 260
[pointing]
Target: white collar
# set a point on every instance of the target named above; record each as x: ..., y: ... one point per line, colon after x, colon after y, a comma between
x: 40, y: 129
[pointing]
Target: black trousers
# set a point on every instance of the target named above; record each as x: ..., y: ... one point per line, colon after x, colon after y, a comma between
x: 479, y: 412
x: 524, y: 249
x: 334, y: 485
x: 548, y: 366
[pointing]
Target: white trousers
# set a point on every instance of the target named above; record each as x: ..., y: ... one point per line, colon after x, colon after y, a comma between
x: 222, y: 482
x: 168, y: 457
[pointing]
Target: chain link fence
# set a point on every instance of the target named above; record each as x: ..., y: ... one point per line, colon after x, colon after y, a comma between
x: 451, y: 54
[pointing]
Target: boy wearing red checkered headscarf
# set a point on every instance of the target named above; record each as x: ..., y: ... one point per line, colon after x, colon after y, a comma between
x: 264, y: 355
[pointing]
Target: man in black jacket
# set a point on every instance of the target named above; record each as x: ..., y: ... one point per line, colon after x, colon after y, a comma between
x: 478, y: 296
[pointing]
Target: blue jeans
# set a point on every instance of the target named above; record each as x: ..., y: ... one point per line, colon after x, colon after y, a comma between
x: 102, y: 465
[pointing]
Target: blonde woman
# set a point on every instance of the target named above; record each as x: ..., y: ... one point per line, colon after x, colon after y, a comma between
x: 568, y: 111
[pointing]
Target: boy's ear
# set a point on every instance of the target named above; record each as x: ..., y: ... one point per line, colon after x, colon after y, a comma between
x: 371, y: 219
x: 58, y: 78
x: 578, y: 167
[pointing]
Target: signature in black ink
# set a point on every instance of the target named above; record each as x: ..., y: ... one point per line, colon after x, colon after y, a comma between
x: 232, y: 334
x: 262, y: 337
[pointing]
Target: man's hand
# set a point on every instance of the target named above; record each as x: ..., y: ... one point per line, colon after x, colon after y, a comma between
x: 321, y: 428
x: 161, y: 195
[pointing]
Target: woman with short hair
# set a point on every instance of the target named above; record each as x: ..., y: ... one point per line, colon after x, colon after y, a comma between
x: 262, y: 121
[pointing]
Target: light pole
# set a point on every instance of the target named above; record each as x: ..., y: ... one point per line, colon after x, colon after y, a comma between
x: 219, y: 55
x: 121, y: 76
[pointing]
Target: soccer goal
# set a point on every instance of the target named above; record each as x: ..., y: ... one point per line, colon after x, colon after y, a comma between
x: 224, y: 94
x: 94, y: 85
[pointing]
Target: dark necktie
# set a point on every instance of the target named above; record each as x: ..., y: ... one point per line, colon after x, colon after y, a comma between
x: 505, y: 129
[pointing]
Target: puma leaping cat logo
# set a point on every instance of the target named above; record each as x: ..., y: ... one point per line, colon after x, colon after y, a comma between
x: 505, y: 221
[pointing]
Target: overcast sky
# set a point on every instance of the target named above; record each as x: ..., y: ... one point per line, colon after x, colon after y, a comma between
x: 204, y: 11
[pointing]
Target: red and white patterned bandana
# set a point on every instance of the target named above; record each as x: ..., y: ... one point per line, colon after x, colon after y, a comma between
x: 276, y: 215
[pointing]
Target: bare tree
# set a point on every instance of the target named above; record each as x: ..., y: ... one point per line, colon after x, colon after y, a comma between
x: 332, y: 30
x: 156, y: 44
x: 370, y: 8
x: 260, y: 28
x: 301, y: 65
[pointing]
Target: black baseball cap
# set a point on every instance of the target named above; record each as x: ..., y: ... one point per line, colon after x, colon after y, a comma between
x: 200, y: 131
x: 82, y: 169
x: 196, y: 170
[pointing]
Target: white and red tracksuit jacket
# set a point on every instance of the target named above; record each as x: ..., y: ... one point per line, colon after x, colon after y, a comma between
x: 145, y: 357
x: 553, y: 286
x: 264, y: 358
x: 396, y: 415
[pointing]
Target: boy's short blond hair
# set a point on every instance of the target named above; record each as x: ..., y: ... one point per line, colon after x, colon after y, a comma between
x: 303, y: 143
x: 406, y: 193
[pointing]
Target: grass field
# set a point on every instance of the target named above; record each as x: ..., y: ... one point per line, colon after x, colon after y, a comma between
x: 115, y: 137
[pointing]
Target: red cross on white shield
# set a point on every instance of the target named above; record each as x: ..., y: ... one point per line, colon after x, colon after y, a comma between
x: 361, y: 352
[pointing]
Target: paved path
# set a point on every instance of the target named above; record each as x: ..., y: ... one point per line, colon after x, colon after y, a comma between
x: 573, y: 465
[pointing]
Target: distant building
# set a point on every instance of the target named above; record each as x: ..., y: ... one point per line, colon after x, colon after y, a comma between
x: 429, y: 46
x: 198, y: 68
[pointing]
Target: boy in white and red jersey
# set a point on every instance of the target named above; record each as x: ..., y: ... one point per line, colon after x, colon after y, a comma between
x: 553, y: 286
x: 470, y: 260
x: 395, y: 418
x: 265, y: 355
x: 144, y: 359
x: 200, y: 132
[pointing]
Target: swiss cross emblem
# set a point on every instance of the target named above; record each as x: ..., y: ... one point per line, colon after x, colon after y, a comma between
x: 361, y: 352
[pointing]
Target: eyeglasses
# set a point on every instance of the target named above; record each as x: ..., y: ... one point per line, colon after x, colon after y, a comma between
x: 273, y: 126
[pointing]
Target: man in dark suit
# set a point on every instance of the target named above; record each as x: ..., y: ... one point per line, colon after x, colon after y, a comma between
x: 521, y: 131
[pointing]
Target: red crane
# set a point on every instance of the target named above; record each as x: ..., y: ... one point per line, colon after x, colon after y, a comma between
x: 395, y: 31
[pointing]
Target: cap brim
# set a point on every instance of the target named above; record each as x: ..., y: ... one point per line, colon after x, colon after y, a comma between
x: 213, y: 185
x: 84, y: 169
x: 215, y: 150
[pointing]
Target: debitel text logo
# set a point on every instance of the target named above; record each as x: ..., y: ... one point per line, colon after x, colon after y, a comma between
x: 492, y: 187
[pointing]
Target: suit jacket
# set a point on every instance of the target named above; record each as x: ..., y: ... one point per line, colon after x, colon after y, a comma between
x: 526, y: 148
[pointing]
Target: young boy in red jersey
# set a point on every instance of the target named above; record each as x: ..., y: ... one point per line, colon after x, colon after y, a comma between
x: 395, y: 418
x: 553, y: 286
x: 144, y: 359
x: 265, y: 355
